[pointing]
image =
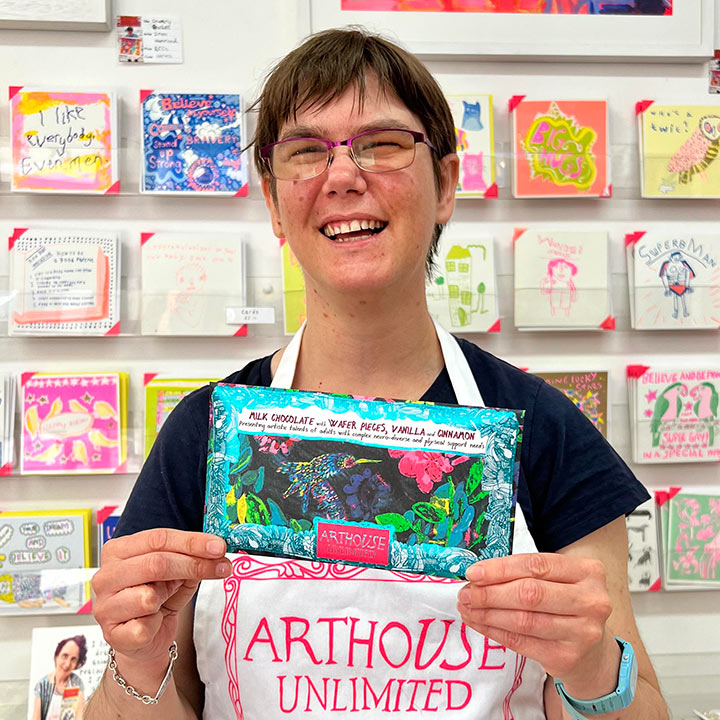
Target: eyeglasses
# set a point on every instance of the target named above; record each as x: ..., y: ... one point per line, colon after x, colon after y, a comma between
x: 376, y: 151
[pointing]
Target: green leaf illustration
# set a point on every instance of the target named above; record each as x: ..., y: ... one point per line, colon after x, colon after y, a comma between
x: 395, y: 519
x: 428, y: 512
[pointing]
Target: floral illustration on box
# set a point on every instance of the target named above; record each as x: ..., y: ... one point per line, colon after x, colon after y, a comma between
x: 545, y: 7
x: 444, y: 510
x: 695, y: 537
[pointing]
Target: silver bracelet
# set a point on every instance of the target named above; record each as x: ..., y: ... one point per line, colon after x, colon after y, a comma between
x: 130, y: 690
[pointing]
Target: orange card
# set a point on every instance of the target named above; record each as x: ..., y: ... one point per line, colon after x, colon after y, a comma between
x: 560, y: 148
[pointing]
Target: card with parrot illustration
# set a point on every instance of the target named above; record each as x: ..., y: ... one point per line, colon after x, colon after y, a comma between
x: 674, y: 414
x: 73, y: 423
x: 679, y: 147
x: 560, y: 148
x: 43, y: 554
x: 674, y: 279
x: 414, y: 487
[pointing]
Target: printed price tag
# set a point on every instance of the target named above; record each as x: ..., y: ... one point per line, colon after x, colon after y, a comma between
x: 249, y: 315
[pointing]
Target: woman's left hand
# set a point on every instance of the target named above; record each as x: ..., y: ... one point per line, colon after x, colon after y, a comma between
x: 549, y: 607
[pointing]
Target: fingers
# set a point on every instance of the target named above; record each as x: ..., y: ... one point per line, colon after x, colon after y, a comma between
x: 158, y: 567
x: 542, y: 566
x: 164, y: 540
x: 140, y: 601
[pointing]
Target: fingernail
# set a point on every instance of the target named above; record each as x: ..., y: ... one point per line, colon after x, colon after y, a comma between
x: 474, y: 573
x: 223, y: 569
x: 464, y: 596
x: 215, y: 547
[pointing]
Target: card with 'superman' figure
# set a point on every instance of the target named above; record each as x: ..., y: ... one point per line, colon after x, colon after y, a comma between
x: 193, y: 143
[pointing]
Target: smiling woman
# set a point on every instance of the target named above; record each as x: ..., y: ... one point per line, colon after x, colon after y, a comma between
x: 355, y: 146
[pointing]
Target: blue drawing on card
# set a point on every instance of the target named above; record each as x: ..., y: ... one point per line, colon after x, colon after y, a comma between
x: 471, y: 116
x: 193, y: 142
x: 676, y: 275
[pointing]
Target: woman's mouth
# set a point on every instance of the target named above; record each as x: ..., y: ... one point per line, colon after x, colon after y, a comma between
x: 352, y: 230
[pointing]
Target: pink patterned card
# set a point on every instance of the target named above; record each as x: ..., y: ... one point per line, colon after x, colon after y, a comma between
x: 73, y: 423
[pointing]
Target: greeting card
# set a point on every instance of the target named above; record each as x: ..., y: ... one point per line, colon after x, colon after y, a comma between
x: 190, y: 281
x: 560, y: 148
x: 39, y: 552
x: 674, y: 280
x: 643, y: 550
x: 293, y: 284
x: 85, y: 641
x: 562, y: 280
x: 63, y: 141
x: 693, y: 537
x: 162, y: 395
x: 588, y: 391
x: 674, y: 413
x: 679, y: 146
x: 473, y: 117
x: 462, y: 294
x: 406, y: 486
x: 7, y: 423
x: 193, y: 143
x: 73, y: 422
x: 64, y: 282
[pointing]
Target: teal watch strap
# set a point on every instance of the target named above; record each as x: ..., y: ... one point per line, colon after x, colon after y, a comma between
x: 620, y: 698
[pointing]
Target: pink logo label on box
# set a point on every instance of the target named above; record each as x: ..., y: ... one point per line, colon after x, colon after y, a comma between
x: 343, y: 541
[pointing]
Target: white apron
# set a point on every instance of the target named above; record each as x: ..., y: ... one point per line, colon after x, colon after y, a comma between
x: 332, y: 641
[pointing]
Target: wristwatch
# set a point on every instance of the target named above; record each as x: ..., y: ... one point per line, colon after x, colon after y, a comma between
x: 618, y: 699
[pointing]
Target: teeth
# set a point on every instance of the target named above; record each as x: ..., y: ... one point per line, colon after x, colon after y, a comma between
x: 332, y: 230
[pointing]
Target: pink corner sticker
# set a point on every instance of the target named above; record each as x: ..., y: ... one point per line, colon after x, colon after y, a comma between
x: 86, y: 609
x: 13, y: 90
x: 242, y: 192
x: 636, y: 371
x: 145, y: 94
x: 114, y: 189
x: 492, y: 191
x: 642, y: 106
x: 347, y: 542
x: 632, y: 238
x: 114, y: 330
x: 241, y: 331
x: 514, y: 101
x: 517, y: 233
x: 17, y: 232
x: 144, y: 237
x: 105, y: 512
x: 148, y: 377
x: 495, y: 327
x: 608, y: 323
x: 655, y: 586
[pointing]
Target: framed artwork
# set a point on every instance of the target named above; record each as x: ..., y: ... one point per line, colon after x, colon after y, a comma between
x: 55, y: 15
x: 686, y: 34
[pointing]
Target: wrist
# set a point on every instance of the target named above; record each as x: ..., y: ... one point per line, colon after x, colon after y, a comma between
x: 143, y: 680
x: 598, y: 675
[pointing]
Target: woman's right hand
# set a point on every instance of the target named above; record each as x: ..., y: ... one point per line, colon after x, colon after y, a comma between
x: 145, y: 580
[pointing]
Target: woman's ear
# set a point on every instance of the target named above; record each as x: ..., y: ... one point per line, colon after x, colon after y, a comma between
x: 271, y: 202
x: 449, y: 173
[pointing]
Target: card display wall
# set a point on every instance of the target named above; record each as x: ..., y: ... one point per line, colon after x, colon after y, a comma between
x: 229, y: 50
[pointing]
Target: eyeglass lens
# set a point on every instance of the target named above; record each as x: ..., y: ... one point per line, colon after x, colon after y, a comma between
x: 381, y: 151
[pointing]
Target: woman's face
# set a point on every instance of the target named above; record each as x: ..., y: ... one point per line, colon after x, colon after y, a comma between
x: 67, y: 659
x: 562, y: 271
x: 404, y: 203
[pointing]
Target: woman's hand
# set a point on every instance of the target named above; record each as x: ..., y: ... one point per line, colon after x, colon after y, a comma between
x: 549, y: 607
x: 145, y: 580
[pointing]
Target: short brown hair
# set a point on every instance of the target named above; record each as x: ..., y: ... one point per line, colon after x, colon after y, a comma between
x: 327, y: 64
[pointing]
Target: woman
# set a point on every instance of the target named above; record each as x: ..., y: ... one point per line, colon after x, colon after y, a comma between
x: 50, y: 692
x: 355, y: 146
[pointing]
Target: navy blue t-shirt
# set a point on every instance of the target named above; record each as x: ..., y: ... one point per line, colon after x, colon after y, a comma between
x: 571, y: 483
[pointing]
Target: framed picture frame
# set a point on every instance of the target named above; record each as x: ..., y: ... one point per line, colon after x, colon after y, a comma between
x: 686, y: 35
x: 56, y: 15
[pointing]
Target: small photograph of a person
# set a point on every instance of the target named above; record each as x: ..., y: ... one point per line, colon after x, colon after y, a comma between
x: 559, y: 286
x: 676, y: 275
x: 61, y: 694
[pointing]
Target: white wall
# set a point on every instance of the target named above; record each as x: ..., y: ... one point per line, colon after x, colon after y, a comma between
x: 229, y: 45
